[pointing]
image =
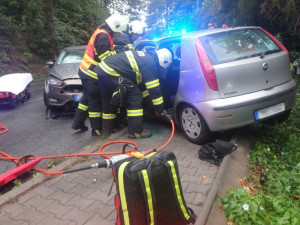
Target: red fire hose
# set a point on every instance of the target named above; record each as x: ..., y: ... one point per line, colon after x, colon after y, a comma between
x: 3, y: 129
x: 107, y: 155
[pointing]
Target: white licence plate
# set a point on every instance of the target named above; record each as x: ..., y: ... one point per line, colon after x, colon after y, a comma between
x: 266, y: 112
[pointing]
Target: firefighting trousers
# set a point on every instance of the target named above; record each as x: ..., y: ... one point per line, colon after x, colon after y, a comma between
x: 133, y: 103
x: 90, y: 104
x: 82, y: 110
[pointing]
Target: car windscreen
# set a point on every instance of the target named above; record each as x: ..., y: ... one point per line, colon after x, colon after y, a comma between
x: 70, y: 56
x: 239, y: 44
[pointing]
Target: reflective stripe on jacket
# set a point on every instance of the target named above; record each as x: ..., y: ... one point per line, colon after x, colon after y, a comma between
x: 140, y: 68
x: 90, y: 53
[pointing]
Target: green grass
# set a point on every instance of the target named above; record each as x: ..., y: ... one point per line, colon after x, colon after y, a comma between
x: 271, y: 193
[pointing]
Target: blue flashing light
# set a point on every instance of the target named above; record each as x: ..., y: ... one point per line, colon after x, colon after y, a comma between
x: 155, y: 39
x: 183, y: 31
x: 170, y: 32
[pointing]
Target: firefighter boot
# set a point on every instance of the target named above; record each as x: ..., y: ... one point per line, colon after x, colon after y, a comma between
x: 79, y: 125
x: 143, y: 134
x: 96, y: 132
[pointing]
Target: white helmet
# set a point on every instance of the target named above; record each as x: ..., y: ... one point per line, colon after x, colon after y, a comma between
x: 137, y: 27
x: 117, y: 23
x: 164, y: 57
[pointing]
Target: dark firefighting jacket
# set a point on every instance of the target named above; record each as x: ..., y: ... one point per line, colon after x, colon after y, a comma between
x: 140, y: 68
x: 123, y: 43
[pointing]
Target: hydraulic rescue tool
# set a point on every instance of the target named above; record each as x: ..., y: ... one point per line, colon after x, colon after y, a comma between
x: 147, y: 183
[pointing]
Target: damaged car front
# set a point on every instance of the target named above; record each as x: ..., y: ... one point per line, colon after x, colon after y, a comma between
x: 63, y: 87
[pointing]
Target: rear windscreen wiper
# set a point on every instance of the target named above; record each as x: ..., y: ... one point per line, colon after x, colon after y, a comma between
x: 269, y: 52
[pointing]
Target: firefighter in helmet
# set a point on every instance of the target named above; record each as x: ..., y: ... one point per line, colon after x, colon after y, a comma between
x: 99, y: 47
x: 120, y: 77
x: 126, y: 41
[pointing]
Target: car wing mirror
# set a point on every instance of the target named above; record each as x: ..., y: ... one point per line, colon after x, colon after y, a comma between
x: 49, y: 64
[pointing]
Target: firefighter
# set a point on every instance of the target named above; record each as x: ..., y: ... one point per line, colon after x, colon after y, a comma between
x: 125, y: 42
x: 119, y: 78
x: 99, y: 47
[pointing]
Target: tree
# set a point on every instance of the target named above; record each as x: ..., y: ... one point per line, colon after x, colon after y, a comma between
x: 133, y: 8
x: 50, y: 25
x: 166, y: 15
x: 286, y: 14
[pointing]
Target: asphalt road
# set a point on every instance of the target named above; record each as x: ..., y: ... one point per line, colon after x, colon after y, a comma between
x: 30, y: 133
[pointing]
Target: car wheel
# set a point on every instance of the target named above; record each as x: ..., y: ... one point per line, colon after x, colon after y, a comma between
x: 45, y: 99
x: 193, y: 125
x: 24, y: 99
x: 28, y: 95
x: 14, y: 102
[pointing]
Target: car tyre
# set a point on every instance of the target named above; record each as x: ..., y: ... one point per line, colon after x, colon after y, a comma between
x: 28, y: 95
x: 14, y: 102
x: 193, y: 125
x: 45, y: 99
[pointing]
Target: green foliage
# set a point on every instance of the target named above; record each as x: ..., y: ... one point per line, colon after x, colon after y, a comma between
x: 132, y: 8
x: 17, y: 183
x: 74, y: 23
x: 36, y: 175
x: 282, y: 13
x: 51, y: 164
x: 3, y: 57
x: 24, y: 67
x: 244, y: 209
x: 196, y: 14
x: 171, y: 15
x: 76, y: 20
x: 275, y: 177
x: 294, y: 55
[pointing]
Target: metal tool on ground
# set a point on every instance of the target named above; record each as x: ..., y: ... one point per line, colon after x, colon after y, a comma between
x: 18, y: 171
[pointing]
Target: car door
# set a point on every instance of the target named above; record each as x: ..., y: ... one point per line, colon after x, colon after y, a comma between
x: 170, y: 82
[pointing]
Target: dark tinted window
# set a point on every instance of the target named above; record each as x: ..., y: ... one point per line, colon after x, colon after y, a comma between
x: 174, y: 46
x: 237, y: 44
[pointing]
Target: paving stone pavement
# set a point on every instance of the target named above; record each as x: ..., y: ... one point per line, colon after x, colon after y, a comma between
x: 76, y: 198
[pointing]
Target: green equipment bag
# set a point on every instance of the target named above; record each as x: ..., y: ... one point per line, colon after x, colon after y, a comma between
x: 149, y: 191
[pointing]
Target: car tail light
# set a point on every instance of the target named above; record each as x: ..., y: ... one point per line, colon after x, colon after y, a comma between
x: 275, y: 40
x: 206, y: 66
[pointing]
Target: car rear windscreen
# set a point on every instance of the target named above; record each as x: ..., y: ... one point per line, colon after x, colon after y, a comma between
x: 238, y: 44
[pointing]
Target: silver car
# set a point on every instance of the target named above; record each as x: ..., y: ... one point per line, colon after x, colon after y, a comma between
x: 63, y: 87
x: 225, y: 78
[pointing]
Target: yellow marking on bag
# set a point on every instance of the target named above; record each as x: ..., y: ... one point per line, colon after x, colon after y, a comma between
x: 149, y: 196
x: 122, y: 193
x: 177, y: 189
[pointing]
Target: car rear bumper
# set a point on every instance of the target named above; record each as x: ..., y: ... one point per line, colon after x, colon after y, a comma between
x: 60, y: 96
x: 229, y: 113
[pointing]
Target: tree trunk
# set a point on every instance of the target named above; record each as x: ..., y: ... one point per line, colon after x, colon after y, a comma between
x: 50, y: 26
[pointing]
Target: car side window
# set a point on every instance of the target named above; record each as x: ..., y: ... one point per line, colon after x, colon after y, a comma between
x: 178, y: 52
x: 175, y: 48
